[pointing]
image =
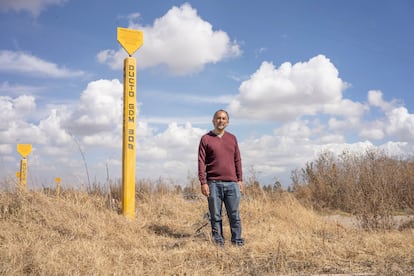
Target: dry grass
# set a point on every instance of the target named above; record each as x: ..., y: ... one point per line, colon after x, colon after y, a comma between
x: 81, y: 234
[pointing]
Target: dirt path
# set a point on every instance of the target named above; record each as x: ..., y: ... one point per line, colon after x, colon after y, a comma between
x: 352, y: 222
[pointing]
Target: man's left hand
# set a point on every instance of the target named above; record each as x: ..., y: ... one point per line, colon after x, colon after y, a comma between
x: 240, y: 186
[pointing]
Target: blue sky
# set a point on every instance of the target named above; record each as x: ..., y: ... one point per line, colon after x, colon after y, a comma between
x: 297, y: 77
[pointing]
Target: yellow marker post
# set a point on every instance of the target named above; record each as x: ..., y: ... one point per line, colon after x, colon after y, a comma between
x: 131, y: 40
x: 57, y: 180
x: 24, y: 150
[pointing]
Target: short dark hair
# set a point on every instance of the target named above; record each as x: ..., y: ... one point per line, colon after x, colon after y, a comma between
x: 221, y: 110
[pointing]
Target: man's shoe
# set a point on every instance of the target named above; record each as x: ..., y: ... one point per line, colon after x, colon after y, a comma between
x: 238, y: 243
x: 219, y: 243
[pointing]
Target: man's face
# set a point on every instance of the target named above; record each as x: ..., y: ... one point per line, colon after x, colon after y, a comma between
x: 220, y: 121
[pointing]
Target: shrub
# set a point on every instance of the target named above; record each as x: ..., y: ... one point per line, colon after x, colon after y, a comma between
x: 371, y: 186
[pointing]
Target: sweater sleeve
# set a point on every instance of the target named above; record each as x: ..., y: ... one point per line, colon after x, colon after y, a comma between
x: 202, y: 176
x: 238, y: 163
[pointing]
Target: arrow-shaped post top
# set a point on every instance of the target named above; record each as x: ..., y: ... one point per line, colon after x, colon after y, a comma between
x: 131, y: 40
x: 24, y: 149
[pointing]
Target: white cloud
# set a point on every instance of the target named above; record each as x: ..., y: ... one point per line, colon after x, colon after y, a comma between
x: 171, y: 153
x: 103, y: 139
x: 99, y: 109
x: 373, y: 133
x: 15, y: 109
x: 289, y: 147
x: 375, y: 99
x: 180, y: 40
x: 360, y: 147
x: 53, y: 129
x: 398, y: 149
x: 274, y: 156
x: 19, y: 131
x: 400, y: 124
x: 35, y: 7
x: 394, y: 122
x: 16, y: 89
x: 17, y: 124
x: 345, y: 108
x: 5, y: 149
x: 115, y: 59
x: 284, y: 93
x: 23, y: 63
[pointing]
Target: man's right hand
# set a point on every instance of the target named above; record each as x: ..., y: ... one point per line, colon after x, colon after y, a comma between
x: 205, y: 190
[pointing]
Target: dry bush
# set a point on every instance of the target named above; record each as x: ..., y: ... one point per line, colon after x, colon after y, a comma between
x: 375, y: 196
x: 77, y: 234
x: 371, y: 186
x: 406, y: 184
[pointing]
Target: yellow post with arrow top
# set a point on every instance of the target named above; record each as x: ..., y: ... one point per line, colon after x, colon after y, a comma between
x: 24, y: 150
x: 57, y: 180
x: 131, y: 40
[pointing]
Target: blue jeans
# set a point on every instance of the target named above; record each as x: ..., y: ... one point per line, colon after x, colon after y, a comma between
x: 229, y: 193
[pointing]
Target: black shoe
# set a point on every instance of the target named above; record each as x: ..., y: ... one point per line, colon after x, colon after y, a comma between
x: 219, y: 243
x: 238, y: 243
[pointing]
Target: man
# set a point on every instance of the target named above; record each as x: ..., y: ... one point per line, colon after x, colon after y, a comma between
x: 220, y: 175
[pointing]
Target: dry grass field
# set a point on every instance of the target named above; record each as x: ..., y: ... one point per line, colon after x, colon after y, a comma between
x: 79, y: 233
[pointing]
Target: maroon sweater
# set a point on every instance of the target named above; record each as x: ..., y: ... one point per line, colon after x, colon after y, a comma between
x: 219, y: 158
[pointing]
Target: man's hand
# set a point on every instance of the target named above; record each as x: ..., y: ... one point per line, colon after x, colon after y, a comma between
x: 240, y: 186
x: 205, y: 190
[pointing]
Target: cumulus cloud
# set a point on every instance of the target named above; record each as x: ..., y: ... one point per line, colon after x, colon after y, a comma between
x: 15, y: 109
x: 180, y: 40
x: 35, y: 7
x: 400, y: 124
x: 374, y: 131
x: 22, y: 131
x: 17, y: 124
x: 375, y: 99
x: 99, y: 108
x: 284, y: 93
x: 53, y: 129
x: 23, y: 63
x: 170, y: 153
x: 394, y: 122
x: 290, y: 146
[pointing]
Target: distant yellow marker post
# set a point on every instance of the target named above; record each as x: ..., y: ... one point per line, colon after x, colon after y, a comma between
x: 131, y: 40
x: 24, y: 150
x: 57, y: 180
